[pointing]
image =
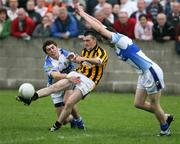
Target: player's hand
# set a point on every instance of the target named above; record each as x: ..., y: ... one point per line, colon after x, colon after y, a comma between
x: 79, y: 59
x: 71, y: 56
x: 78, y: 9
x: 24, y: 35
x: 74, y: 79
x: 65, y: 35
x: 76, y: 58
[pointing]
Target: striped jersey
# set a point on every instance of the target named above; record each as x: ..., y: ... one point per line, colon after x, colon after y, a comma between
x: 92, y: 71
x: 63, y: 65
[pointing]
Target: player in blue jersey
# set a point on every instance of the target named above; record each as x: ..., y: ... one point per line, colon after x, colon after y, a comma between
x: 150, y: 81
x: 57, y: 65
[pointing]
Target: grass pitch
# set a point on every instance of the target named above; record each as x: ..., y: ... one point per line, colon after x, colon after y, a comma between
x: 110, y: 118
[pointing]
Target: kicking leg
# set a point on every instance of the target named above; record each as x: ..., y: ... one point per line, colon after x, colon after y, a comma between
x: 58, y: 86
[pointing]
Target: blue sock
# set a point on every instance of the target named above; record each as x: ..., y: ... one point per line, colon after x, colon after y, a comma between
x: 79, y: 119
x: 164, y: 127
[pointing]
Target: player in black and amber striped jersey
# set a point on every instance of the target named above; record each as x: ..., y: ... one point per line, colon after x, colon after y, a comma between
x: 92, y: 50
x: 83, y: 80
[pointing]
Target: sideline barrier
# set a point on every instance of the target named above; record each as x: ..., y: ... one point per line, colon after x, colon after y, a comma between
x: 22, y: 61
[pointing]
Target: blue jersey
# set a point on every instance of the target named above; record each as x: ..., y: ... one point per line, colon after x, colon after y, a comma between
x: 129, y: 52
x: 63, y: 65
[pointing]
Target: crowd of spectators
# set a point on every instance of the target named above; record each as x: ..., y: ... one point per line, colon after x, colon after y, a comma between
x: 139, y: 19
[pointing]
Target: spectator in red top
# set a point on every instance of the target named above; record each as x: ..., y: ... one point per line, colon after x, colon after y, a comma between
x: 125, y: 25
x: 22, y: 26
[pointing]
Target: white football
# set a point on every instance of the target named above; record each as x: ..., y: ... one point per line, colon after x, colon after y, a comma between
x: 26, y: 90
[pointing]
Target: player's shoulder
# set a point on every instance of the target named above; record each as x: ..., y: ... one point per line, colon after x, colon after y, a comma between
x: 64, y: 52
x: 48, y: 60
x: 101, y: 48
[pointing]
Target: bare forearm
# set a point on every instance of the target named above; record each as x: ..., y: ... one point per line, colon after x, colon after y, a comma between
x: 92, y: 21
x: 95, y: 61
x: 96, y: 24
x: 58, y: 76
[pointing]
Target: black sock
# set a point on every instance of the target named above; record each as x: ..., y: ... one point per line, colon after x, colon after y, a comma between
x: 35, y: 96
x: 57, y: 124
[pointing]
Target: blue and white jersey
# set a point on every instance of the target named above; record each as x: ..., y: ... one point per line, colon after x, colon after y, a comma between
x: 129, y: 52
x: 63, y: 65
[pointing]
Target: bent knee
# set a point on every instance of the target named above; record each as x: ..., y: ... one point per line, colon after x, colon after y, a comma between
x: 69, y: 104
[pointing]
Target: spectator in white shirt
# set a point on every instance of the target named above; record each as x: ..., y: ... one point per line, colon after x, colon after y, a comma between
x: 128, y: 6
x: 41, y: 8
x: 13, y: 9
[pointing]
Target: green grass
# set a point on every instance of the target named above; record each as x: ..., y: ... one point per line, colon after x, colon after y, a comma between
x: 110, y: 119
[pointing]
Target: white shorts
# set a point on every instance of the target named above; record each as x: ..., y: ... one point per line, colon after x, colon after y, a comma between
x: 151, y: 80
x: 86, y: 85
x: 58, y: 98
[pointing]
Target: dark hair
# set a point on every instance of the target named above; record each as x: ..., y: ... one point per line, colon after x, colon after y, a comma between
x: 3, y: 10
x: 92, y: 33
x: 47, y: 43
x: 96, y: 35
x: 143, y: 15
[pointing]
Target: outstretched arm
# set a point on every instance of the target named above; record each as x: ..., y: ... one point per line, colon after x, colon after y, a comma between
x: 95, y: 24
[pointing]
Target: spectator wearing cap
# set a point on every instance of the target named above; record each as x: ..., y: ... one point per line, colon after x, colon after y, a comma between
x: 65, y: 25
x: 22, y: 26
x: 4, y: 24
